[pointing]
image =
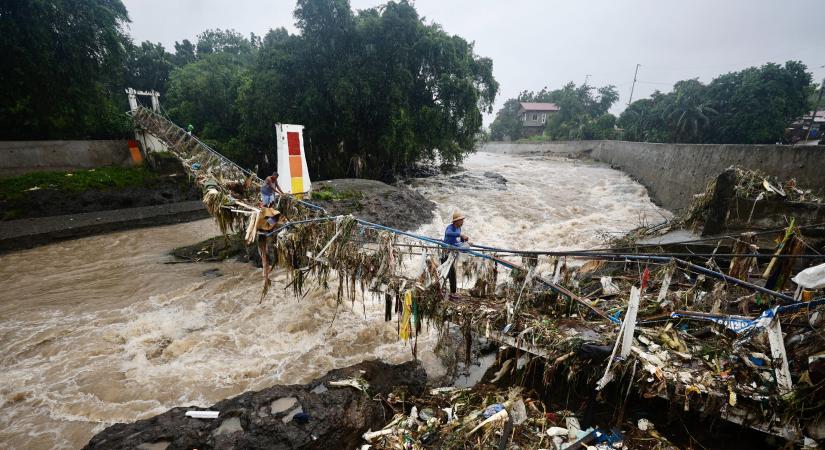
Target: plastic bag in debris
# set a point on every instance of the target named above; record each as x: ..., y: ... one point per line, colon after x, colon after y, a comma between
x: 518, y: 412
x: 608, y: 287
x: 811, y: 278
x: 492, y: 409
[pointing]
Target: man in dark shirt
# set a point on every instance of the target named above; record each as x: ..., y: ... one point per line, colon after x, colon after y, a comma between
x: 453, y: 236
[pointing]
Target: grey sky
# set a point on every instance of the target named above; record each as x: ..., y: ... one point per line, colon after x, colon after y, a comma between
x: 541, y: 43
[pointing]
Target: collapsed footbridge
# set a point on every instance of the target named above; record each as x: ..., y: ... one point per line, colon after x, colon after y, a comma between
x: 698, y: 334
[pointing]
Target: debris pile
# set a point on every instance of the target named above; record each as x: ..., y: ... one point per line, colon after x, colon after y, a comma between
x: 489, y: 417
x: 740, y: 200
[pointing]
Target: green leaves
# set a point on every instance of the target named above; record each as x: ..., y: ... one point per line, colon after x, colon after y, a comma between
x: 379, y: 85
x: 752, y: 106
x: 63, y: 62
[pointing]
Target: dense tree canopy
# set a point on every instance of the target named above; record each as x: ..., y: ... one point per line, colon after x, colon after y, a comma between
x: 148, y: 66
x: 62, y: 62
x: 379, y: 86
x: 754, y: 105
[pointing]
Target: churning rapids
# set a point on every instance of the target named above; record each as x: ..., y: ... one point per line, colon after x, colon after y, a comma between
x: 99, y: 330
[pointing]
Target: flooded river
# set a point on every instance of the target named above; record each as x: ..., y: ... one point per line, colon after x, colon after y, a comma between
x: 101, y: 330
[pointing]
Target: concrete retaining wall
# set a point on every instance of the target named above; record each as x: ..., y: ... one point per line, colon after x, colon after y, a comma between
x: 674, y: 173
x: 18, y: 157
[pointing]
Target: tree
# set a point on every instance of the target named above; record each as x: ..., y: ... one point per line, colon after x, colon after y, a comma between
x: 752, y: 106
x: 688, y: 114
x: 380, y: 86
x: 63, y: 66
x: 582, y: 113
x: 229, y: 41
x: 148, y: 66
x: 205, y: 94
x: 755, y: 105
x: 507, y: 125
x: 184, y: 53
x: 642, y: 120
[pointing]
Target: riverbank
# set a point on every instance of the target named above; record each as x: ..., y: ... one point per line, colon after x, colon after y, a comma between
x: 330, y: 412
x: 38, y: 208
x: 46, y: 194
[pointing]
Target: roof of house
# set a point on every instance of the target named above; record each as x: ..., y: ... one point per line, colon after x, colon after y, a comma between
x: 528, y: 106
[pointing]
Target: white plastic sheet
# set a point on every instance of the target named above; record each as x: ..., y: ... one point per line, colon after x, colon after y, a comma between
x: 811, y: 278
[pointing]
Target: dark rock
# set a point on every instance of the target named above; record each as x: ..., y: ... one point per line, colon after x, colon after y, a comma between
x: 217, y: 248
x: 377, y: 202
x: 212, y: 273
x: 325, y: 417
x: 487, y: 180
x: 496, y: 177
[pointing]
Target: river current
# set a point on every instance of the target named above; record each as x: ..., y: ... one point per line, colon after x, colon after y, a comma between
x: 101, y: 329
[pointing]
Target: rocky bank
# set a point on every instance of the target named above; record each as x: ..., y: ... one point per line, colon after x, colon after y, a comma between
x: 325, y: 413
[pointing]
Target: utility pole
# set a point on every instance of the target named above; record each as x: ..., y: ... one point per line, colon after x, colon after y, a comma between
x: 816, y: 110
x: 634, y: 85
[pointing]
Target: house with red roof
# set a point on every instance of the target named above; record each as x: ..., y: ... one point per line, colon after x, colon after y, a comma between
x: 534, y: 116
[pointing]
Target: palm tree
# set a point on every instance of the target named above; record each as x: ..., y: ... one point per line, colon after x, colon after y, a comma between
x: 690, y: 111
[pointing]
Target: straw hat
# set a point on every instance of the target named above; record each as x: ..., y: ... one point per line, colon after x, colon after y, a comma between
x: 264, y: 225
x: 457, y: 215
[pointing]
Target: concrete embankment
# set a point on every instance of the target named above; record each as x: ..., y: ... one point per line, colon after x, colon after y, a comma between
x: 27, y: 233
x: 18, y: 157
x: 674, y: 173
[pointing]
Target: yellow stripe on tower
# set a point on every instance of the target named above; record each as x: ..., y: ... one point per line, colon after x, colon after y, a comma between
x: 297, y: 186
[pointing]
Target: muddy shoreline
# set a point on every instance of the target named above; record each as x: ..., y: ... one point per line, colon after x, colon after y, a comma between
x: 330, y: 412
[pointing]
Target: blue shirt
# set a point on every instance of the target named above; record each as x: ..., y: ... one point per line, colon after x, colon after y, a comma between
x: 452, y: 235
x: 266, y: 189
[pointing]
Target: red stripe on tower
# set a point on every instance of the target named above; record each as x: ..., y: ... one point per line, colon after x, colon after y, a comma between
x: 293, y: 143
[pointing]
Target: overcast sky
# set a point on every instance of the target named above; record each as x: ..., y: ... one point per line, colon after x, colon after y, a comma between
x: 541, y: 43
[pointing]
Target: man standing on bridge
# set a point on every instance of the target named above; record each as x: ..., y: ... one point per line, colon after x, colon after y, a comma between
x: 269, y: 189
x: 453, y: 236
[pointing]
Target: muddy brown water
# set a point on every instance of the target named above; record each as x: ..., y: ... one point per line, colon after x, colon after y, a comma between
x: 100, y: 330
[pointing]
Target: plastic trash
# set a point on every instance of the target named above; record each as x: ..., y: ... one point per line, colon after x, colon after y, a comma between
x: 518, y: 411
x: 811, y: 278
x: 644, y: 424
x: 203, y: 414
x: 608, y: 287
x: 611, y: 438
x: 492, y: 409
x: 426, y: 414
x: 413, y: 417
x: 556, y: 431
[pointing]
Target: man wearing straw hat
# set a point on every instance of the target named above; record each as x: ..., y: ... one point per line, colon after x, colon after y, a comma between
x: 453, y: 236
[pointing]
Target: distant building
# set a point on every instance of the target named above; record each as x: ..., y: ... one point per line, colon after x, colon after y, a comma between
x: 534, y: 116
x: 799, y: 129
